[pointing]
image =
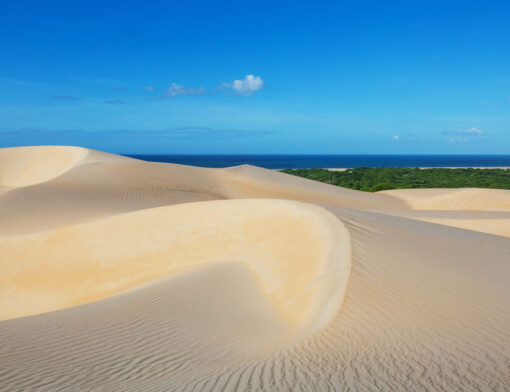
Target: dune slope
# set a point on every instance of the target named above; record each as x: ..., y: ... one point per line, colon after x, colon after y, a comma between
x: 118, y: 274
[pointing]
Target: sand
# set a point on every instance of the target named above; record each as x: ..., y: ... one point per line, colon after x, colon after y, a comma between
x: 123, y: 275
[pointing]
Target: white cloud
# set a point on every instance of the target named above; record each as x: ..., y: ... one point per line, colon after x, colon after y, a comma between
x: 396, y: 137
x: 177, y: 89
x: 246, y: 86
x: 148, y: 88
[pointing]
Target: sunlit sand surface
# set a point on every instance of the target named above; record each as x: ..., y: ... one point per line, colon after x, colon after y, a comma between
x: 123, y: 275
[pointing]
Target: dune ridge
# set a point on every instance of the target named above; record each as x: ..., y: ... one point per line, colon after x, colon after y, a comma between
x: 306, y: 280
x: 23, y: 166
x: 119, y: 274
x: 465, y: 199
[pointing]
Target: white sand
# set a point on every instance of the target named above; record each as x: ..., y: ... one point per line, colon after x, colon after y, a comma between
x: 123, y: 275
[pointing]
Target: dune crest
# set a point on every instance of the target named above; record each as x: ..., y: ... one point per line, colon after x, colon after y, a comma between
x: 23, y: 166
x: 464, y: 199
x: 300, y: 254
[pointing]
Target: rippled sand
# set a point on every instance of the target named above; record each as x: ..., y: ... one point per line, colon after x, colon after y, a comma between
x: 123, y: 275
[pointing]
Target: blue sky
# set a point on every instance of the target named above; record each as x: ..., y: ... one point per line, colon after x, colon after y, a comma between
x: 206, y: 77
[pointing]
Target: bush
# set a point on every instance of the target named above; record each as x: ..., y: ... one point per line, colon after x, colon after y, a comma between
x: 383, y: 178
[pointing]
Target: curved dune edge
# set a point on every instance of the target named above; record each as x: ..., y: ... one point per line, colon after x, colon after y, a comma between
x: 299, y: 252
x: 500, y: 227
x: 489, y: 222
x: 24, y: 166
x: 252, y: 181
x: 455, y: 199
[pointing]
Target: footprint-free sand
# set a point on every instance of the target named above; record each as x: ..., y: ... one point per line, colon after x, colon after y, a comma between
x: 123, y: 275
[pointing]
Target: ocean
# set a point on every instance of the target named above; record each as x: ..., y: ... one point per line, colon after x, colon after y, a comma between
x: 332, y: 161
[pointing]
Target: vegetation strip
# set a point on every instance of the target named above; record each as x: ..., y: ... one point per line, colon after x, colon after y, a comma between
x: 384, y: 178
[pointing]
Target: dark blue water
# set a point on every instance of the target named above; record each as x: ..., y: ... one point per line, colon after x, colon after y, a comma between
x: 332, y: 161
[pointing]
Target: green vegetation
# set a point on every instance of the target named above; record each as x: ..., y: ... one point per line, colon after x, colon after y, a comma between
x: 382, y: 178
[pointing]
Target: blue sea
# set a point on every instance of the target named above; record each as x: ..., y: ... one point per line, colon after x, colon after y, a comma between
x: 332, y: 161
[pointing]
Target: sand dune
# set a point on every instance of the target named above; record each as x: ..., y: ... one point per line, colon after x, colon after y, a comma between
x: 468, y: 199
x: 123, y: 275
x: 22, y: 166
x: 305, y: 279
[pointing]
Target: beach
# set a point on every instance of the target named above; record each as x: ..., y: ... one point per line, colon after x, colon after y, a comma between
x: 119, y: 274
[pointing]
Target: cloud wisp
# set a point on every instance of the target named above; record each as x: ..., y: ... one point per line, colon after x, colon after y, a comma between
x: 462, y: 136
x: 471, y: 131
x: 17, y: 137
x: 178, y: 89
x: 243, y: 87
x: 175, y: 90
x: 246, y: 86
